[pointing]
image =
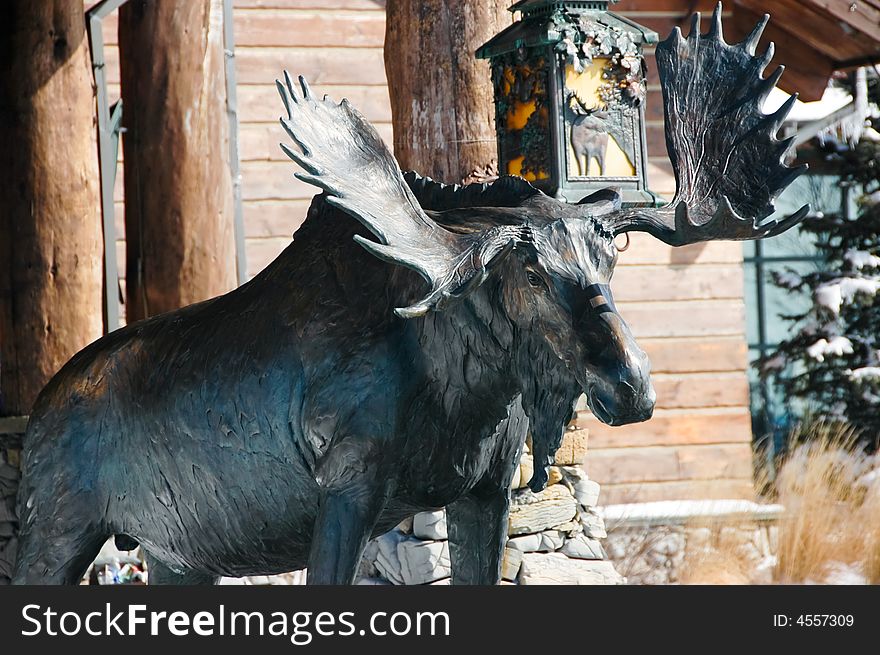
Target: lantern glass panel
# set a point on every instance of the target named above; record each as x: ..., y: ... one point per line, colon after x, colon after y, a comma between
x: 523, y: 117
x: 593, y: 148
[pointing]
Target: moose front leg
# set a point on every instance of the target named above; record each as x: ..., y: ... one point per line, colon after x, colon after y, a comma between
x: 477, y: 533
x: 354, y: 490
x: 477, y: 522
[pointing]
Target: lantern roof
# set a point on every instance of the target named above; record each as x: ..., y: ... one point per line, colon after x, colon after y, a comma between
x: 532, y: 6
x: 540, y: 25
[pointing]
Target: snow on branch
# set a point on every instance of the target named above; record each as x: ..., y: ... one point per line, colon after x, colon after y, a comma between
x: 838, y: 346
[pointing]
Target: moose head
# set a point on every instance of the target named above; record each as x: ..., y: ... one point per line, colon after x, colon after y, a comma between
x: 559, y: 289
x: 552, y: 262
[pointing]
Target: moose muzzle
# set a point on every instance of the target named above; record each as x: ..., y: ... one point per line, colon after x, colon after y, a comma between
x: 620, y: 390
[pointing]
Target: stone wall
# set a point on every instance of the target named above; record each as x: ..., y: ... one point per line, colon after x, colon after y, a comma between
x: 554, y: 535
x: 693, y: 542
x: 11, y: 432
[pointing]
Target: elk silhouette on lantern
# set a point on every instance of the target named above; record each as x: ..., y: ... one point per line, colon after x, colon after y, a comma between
x: 588, y: 134
x: 390, y: 360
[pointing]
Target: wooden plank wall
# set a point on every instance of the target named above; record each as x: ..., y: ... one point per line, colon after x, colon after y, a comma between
x: 337, y: 46
x: 685, y: 305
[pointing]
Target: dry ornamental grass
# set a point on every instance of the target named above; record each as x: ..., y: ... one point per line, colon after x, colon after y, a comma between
x: 830, y: 532
x: 831, y: 491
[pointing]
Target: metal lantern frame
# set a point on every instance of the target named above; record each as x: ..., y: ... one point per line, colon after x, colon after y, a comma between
x: 549, y: 36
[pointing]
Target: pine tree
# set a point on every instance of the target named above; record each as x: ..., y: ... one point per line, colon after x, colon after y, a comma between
x: 831, y: 363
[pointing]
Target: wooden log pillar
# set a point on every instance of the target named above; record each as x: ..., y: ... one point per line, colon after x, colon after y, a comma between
x: 178, y: 187
x: 441, y: 94
x: 51, y: 244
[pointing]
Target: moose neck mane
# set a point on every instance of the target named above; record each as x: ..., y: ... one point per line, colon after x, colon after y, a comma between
x: 500, y: 361
x: 473, y: 358
x: 470, y: 347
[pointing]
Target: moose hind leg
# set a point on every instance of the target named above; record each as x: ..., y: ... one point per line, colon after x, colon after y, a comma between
x: 159, y: 574
x: 56, y: 551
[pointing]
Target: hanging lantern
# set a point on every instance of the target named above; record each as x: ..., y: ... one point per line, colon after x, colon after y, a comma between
x: 570, y: 88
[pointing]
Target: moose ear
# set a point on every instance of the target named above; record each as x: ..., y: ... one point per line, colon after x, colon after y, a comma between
x: 487, y: 250
x: 604, y: 201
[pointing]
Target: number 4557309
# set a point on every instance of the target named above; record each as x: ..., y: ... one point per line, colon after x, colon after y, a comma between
x: 824, y: 620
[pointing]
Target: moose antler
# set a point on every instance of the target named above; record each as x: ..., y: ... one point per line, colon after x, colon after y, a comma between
x: 728, y: 162
x: 345, y: 156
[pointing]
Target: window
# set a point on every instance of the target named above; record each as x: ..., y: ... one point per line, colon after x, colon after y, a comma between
x: 765, y: 303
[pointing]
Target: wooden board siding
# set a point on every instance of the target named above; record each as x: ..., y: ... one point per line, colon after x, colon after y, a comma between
x: 684, y: 304
x: 815, y: 37
x: 686, y: 307
x: 337, y: 46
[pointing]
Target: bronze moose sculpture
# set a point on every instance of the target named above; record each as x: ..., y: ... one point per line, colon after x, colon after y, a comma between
x: 285, y: 423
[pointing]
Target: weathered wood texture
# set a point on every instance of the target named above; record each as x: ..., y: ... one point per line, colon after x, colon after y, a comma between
x: 685, y: 304
x: 337, y: 45
x: 441, y: 95
x: 50, y: 223
x: 178, y: 188
x: 815, y: 38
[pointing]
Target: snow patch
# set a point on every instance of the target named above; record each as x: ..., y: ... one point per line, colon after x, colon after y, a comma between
x: 869, y: 479
x: 865, y: 373
x: 681, y: 511
x: 860, y: 259
x: 788, y: 279
x: 850, y: 286
x: 837, y: 346
x: 833, y: 294
x: 829, y: 296
x: 838, y: 573
x: 775, y: 363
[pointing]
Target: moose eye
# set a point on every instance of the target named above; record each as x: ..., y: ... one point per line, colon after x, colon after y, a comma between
x: 534, y: 279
